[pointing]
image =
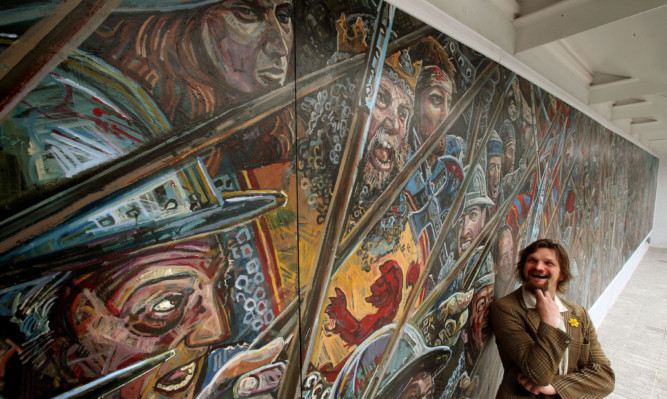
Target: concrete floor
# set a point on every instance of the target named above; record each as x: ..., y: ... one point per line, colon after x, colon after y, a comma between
x: 634, y: 333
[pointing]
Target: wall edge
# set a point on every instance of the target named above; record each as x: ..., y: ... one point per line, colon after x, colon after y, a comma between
x: 598, y: 311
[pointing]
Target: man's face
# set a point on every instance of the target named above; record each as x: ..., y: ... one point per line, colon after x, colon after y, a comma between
x: 569, y: 152
x: 479, y: 321
x: 419, y: 387
x: 514, y: 102
x: 386, y: 133
x: 470, y: 225
x: 542, y: 271
x: 433, y: 106
x: 506, y: 256
x: 249, y: 42
x: 508, y: 157
x: 170, y: 300
x: 493, y: 178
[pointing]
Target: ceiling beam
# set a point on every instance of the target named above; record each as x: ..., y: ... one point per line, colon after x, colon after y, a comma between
x: 626, y: 88
x: 652, y: 137
x: 44, y: 45
x: 475, y: 23
x: 643, y: 109
x: 570, y: 17
x: 657, y: 129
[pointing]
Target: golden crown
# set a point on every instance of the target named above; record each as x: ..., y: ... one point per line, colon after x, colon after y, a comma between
x: 400, y: 63
x: 352, y: 44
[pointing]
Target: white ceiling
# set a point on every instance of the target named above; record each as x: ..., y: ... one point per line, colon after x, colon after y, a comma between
x: 606, y: 57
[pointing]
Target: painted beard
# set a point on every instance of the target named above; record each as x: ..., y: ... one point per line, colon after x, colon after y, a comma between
x: 386, y: 154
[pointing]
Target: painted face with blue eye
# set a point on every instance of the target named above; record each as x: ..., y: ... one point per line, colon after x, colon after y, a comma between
x: 169, y: 299
x: 249, y: 42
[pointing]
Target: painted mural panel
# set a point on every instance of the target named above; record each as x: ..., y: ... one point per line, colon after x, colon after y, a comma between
x: 255, y: 199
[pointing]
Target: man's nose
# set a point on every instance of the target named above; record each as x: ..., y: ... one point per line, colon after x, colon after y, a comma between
x: 390, y: 123
x: 467, y: 224
x: 276, y: 40
x: 541, y: 265
x: 212, y: 326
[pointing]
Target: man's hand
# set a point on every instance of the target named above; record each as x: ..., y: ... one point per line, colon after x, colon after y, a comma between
x: 534, y: 388
x: 546, y: 308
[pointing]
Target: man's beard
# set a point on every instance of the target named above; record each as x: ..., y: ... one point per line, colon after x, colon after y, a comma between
x: 397, y: 154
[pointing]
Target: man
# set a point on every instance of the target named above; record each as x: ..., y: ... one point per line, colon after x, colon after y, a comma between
x: 117, y: 310
x: 548, y: 346
x: 412, y: 371
x: 508, y: 137
x: 505, y: 255
x: 149, y: 80
x: 479, y: 330
x: 386, y: 149
x: 494, y: 152
x: 93, y: 109
x: 433, y: 93
x: 472, y: 220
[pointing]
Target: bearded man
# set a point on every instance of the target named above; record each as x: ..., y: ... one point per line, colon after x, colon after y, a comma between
x: 548, y: 346
x: 386, y: 148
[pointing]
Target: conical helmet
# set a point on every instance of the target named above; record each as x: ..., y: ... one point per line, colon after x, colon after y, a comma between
x: 476, y: 193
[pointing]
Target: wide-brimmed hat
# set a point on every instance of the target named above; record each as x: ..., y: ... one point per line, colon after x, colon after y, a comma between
x: 411, y: 356
x: 33, y: 11
x: 159, y: 212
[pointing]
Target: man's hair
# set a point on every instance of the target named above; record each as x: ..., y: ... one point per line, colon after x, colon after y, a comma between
x: 561, y: 255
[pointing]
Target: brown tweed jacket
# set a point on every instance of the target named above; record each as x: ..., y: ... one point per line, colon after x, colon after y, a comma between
x: 528, y: 345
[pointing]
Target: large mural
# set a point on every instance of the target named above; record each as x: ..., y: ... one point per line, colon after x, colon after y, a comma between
x: 271, y: 198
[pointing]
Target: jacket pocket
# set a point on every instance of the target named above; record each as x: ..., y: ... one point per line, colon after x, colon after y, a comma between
x: 584, y: 354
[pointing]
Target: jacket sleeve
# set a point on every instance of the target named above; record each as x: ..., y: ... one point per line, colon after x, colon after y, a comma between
x: 594, y: 377
x: 538, y: 357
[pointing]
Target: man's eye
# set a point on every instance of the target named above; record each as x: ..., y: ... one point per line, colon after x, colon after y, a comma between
x: 383, y: 99
x: 246, y: 14
x: 403, y: 113
x: 284, y: 13
x: 436, y: 99
x: 168, y: 304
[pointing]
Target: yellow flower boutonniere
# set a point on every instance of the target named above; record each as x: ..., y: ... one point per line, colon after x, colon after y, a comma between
x: 573, y: 322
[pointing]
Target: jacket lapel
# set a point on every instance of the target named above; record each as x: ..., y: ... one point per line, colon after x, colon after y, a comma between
x: 575, y: 333
x: 531, y: 314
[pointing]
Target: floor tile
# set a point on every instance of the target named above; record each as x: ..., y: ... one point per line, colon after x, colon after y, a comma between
x: 634, y: 332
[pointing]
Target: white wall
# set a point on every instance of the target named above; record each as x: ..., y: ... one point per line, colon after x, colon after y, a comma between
x: 659, y: 235
x: 606, y: 300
